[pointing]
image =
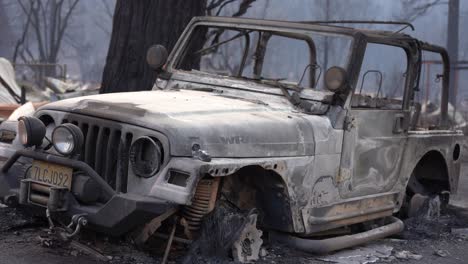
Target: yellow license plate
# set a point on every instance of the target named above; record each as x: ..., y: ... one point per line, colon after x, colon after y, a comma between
x: 51, y: 174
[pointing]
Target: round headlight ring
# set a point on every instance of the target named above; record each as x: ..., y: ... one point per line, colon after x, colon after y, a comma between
x: 145, y: 157
x: 335, y: 79
x: 67, y: 139
x: 31, y: 131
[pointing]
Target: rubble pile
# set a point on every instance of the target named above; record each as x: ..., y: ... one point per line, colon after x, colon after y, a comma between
x: 13, y: 219
x: 430, y: 240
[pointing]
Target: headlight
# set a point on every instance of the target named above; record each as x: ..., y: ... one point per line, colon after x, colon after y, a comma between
x: 31, y: 131
x: 145, y: 157
x: 67, y: 139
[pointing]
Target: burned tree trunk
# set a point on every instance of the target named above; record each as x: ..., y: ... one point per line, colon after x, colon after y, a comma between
x: 452, y: 45
x: 137, y: 25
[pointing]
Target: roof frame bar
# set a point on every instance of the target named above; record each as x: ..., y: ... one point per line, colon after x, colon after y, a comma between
x: 380, y: 22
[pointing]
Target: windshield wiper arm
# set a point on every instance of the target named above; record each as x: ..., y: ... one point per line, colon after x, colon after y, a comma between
x: 294, y: 98
x: 279, y: 84
x: 273, y: 82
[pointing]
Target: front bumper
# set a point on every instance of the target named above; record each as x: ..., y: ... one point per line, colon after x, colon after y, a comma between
x: 119, y: 213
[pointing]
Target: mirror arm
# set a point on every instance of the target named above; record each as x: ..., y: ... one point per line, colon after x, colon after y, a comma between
x: 23, y: 95
x: 163, y: 74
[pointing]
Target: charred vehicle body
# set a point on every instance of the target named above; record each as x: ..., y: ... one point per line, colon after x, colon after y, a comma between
x: 327, y: 141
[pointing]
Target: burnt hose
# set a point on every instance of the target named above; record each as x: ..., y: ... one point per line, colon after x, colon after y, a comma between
x: 328, y: 245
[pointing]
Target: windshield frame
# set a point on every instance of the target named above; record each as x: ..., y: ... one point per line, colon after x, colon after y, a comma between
x: 279, y: 27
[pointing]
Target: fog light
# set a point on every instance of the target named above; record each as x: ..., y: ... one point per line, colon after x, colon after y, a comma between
x: 335, y: 79
x: 31, y: 131
x: 67, y: 139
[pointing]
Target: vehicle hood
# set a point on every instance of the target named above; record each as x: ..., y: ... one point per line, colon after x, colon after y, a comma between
x: 222, y: 126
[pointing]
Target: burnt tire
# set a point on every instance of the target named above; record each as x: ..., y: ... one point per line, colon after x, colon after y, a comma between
x: 221, y: 230
x: 421, y: 197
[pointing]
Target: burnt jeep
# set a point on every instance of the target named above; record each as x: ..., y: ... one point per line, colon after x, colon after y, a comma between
x: 318, y: 127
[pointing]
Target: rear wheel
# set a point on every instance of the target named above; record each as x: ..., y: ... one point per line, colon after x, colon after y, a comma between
x: 424, y: 197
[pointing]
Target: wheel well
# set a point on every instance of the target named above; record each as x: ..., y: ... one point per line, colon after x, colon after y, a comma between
x: 432, y: 172
x: 256, y: 187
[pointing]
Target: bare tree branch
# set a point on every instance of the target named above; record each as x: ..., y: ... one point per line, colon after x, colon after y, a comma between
x: 47, y: 34
x: 23, y: 7
x: 243, y: 7
x: 214, y: 4
x: 108, y: 10
x: 64, y: 24
x: 47, y: 21
x: 417, y: 9
x: 103, y: 28
x: 222, y: 6
x: 20, y: 42
x: 36, y: 23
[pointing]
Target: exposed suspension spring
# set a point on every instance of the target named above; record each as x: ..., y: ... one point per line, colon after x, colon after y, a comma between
x: 203, y: 202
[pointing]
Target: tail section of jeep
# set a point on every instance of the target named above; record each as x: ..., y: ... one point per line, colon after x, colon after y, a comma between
x: 318, y: 127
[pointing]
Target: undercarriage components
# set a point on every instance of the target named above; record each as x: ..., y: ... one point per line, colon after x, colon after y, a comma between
x: 427, y: 206
x: 51, y: 197
x: 78, y: 221
x: 324, y: 246
x: 169, y: 242
x: 49, y: 219
x: 203, y: 202
x: 11, y: 200
x: 150, y: 228
x: 247, y: 248
x: 416, y: 204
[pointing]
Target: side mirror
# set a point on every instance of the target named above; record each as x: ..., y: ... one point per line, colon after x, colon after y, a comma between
x: 336, y: 79
x: 156, y: 56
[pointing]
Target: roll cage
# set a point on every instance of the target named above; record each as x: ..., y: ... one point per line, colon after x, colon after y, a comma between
x: 361, y: 37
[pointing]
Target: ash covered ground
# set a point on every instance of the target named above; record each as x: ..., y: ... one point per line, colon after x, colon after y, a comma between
x: 26, y: 239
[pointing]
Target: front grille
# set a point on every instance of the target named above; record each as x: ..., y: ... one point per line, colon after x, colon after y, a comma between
x: 106, y: 149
